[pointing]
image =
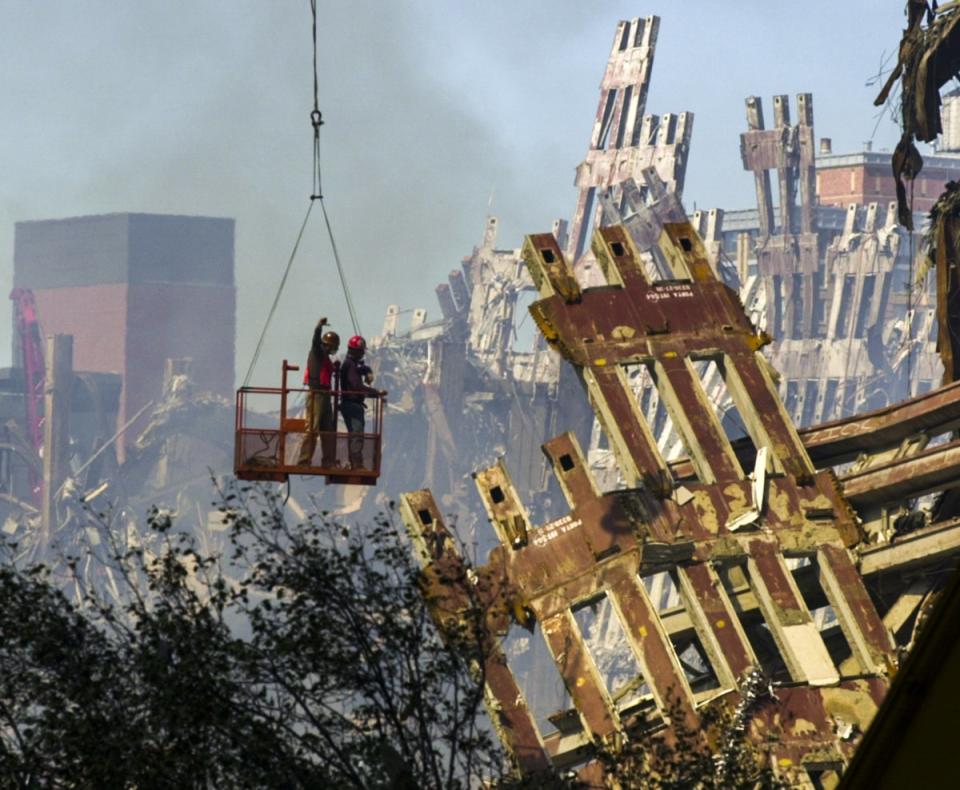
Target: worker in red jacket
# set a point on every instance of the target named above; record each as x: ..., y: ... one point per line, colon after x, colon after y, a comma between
x: 321, y: 419
x: 355, y: 378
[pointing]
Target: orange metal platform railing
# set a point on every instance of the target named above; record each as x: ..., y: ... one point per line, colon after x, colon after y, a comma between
x: 269, y: 441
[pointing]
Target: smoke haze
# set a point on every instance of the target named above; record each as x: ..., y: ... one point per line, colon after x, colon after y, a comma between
x: 432, y: 109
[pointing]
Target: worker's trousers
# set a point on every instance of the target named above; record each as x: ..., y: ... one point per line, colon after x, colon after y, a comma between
x: 352, y: 412
x: 321, y: 421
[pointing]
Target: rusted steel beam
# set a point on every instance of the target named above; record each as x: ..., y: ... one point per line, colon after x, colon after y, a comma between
x: 787, y: 616
x: 580, y: 675
x: 694, y: 417
x: 861, y: 624
x: 924, y: 547
x: 558, y: 565
x: 804, y: 720
x: 765, y: 418
x: 549, y: 270
x: 445, y: 575
x: 643, y: 213
x: 619, y: 259
x: 934, y: 412
x: 683, y: 249
x: 629, y: 435
x: 650, y: 644
x: 800, y: 728
x: 504, y: 509
x: 907, y: 553
x: 709, y: 609
x: 838, y: 441
x: 571, y: 470
x: 429, y: 534
x: 511, y: 718
x: 935, y: 469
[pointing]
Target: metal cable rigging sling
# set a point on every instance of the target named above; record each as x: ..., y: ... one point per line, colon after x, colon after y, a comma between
x: 316, y: 120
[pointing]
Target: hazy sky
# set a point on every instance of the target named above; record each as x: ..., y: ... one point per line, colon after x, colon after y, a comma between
x: 202, y: 107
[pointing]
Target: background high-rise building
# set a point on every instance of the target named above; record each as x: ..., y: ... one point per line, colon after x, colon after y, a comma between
x: 135, y: 290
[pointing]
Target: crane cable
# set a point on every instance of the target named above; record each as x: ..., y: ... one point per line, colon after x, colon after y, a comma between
x: 276, y: 299
x: 316, y: 120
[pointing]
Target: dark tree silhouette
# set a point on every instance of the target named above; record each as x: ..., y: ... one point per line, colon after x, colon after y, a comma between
x: 305, y: 657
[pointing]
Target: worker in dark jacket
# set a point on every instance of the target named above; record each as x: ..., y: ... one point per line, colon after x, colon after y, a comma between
x: 321, y: 418
x: 355, y: 378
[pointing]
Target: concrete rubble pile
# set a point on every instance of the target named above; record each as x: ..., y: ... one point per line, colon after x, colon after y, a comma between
x: 183, y: 445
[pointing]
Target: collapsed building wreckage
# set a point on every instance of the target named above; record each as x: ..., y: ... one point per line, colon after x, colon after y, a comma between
x: 92, y: 504
x: 469, y: 376
x: 467, y: 388
x: 705, y: 536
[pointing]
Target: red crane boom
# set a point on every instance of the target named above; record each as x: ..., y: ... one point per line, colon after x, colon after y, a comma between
x: 31, y: 348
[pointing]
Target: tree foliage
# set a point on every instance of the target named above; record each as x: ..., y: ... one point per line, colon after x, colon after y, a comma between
x: 305, y: 656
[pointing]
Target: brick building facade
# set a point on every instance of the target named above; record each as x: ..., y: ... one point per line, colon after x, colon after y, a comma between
x: 866, y: 177
x: 134, y: 290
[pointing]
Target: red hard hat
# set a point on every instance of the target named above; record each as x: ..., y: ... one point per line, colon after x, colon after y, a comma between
x: 357, y: 343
